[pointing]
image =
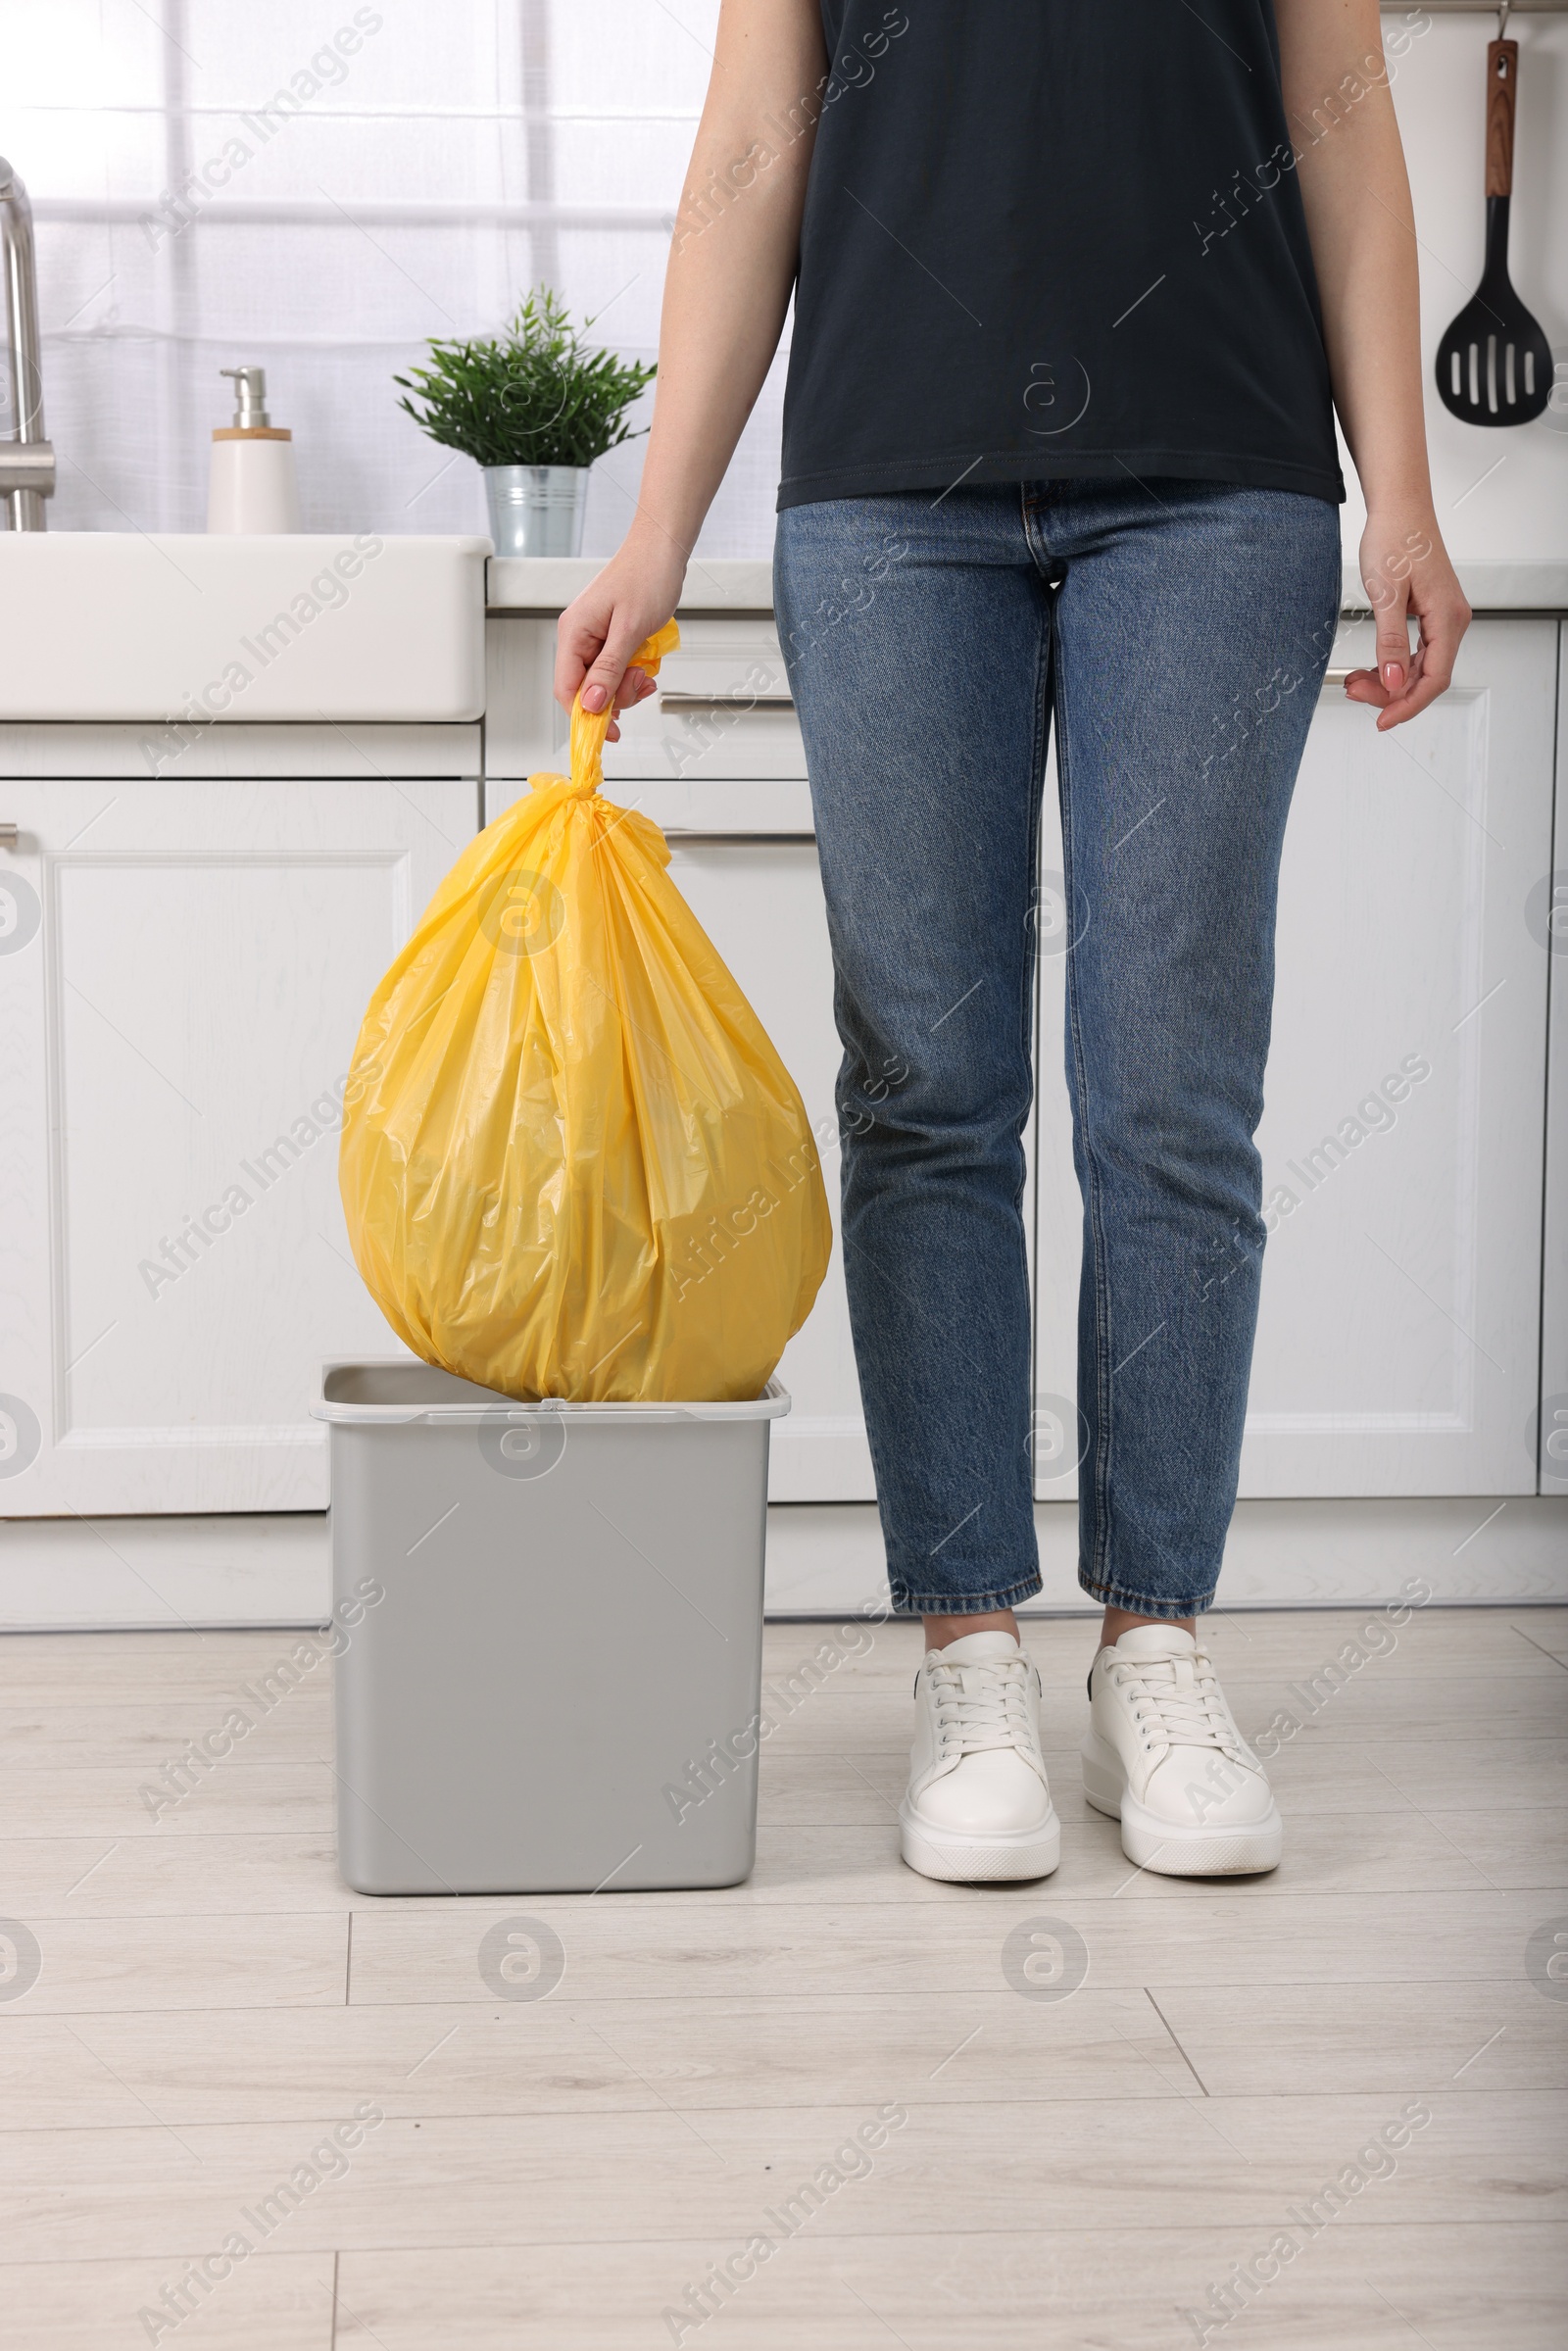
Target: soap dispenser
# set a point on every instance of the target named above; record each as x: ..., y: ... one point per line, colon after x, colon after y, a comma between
x: 252, y: 486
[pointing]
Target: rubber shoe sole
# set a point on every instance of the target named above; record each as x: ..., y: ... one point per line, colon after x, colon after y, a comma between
x: 1219, y: 1850
x: 973, y: 1858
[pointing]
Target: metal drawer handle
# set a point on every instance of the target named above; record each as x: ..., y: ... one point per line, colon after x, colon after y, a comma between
x: 682, y: 836
x: 8, y: 836
x: 672, y: 701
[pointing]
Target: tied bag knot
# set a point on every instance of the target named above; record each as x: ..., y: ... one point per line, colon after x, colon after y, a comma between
x: 589, y: 728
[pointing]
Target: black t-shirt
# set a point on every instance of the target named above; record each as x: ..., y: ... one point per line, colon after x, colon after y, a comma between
x: 1053, y: 237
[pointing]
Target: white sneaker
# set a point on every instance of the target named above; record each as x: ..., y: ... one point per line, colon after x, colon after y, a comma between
x: 1164, y: 1757
x: 978, y: 1805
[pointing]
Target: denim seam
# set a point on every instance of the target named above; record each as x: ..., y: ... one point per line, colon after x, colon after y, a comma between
x: 964, y: 1603
x: 1101, y: 1475
x: 1045, y: 681
x: 878, y: 1486
x: 1142, y: 1603
x: 951, y: 1604
x: 1044, y: 685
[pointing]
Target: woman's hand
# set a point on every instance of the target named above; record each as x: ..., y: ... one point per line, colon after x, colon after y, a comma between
x: 1407, y: 575
x: 1356, y: 194
x: 631, y: 600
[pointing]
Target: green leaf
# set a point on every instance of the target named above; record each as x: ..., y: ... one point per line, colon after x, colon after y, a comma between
x: 538, y: 395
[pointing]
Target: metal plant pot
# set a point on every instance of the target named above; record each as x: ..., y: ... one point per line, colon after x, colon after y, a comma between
x: 536, y: 510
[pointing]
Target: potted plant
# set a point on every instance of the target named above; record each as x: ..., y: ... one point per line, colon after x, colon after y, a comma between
x: 535, y: 408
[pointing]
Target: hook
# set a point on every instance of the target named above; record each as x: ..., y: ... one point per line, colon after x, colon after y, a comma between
x: 1503, y: 7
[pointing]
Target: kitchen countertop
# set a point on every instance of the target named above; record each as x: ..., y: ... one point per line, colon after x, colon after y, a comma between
x: 732, y: 584
x: 521, y: 583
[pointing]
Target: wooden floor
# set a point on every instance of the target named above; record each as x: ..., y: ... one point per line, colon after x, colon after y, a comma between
x: 552, y: 2174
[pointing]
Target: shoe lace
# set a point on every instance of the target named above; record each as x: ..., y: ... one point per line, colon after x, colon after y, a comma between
x: 1178, y: 1699
x: 983, y: 1705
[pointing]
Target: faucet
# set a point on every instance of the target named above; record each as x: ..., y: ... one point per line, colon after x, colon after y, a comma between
x: 26, y: 457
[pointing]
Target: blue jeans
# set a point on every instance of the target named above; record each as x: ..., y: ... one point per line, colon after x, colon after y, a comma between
x: 1178, y: 633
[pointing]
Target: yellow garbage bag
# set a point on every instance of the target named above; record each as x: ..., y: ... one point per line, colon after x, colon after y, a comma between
x: 573, y: 1163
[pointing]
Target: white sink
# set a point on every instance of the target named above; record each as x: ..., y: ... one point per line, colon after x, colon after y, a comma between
x: 132, y: 625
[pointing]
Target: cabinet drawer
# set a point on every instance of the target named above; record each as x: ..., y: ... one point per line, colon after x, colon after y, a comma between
x: 728, y: 808
x: 723, y: 710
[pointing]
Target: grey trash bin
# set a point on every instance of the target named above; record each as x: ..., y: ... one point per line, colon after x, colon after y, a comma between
x: 553, y: 1633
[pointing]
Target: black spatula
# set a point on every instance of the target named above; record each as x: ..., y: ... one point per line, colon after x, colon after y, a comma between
x: 1495, y: 365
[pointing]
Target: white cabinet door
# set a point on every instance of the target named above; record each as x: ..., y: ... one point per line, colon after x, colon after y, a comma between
x: 1546, y: 919
x: 1399, y: 1342
x: 183, y: 968
x: 1399, y: 1345
x: 760, y: 903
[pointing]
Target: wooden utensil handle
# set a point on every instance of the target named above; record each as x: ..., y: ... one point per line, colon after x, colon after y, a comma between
x: 1502, y: 77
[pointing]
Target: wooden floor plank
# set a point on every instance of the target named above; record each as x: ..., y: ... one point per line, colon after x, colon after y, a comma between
x: 1292, y: 2041
x: 557, y: 2056
x: 1232, y: 2163
x: 1327, y: 1853
x: 142, y: 1739
x: 1436, y: 1644
x: 1374, y: 2288
x: 113, y: 1962
x: 803, y: 1786
x: 1517, y: 1848
x: 632, y: 1949
x: 264, y: 2302
x: 162, y: 1669
x: 233, y: 1798
x: 1447, y: 1775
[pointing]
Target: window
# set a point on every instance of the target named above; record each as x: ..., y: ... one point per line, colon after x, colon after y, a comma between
x: 316, y: 186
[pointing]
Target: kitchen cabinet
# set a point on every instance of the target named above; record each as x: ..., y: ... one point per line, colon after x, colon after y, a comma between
x: 1403, y: 1139
x: 1399, y: 1347
x: 1402, y: 1134
x: 183, y: 968
x: 185, y: 962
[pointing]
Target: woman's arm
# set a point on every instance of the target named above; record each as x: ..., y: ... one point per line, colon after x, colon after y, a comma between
x: 731, y: 272
x: 1358, y: 217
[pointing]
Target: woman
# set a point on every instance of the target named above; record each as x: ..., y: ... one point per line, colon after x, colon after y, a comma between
x: 1077, y: 292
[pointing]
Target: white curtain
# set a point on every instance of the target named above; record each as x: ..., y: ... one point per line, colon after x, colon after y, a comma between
x: 316, y: 186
